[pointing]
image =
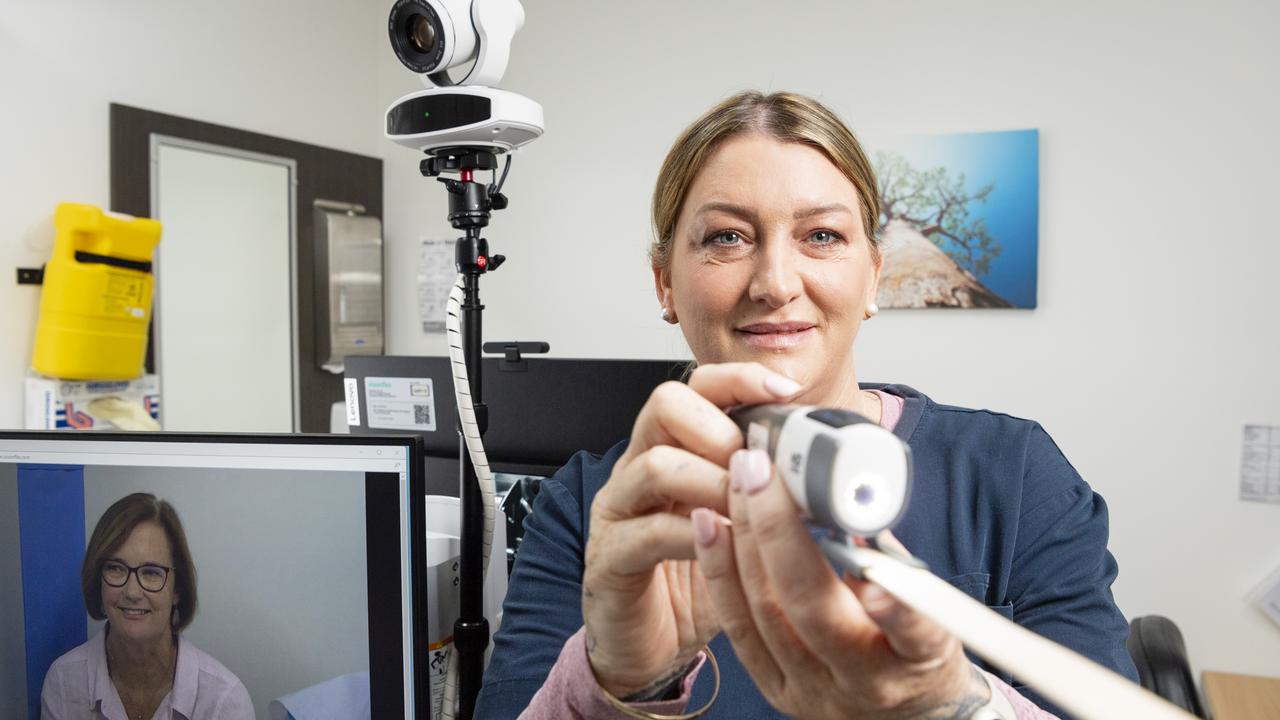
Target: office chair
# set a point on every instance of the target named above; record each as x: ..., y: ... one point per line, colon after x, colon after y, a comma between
x: 1156, y: 646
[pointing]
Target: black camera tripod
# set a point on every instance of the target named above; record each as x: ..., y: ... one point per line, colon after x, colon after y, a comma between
x: 470, y: 205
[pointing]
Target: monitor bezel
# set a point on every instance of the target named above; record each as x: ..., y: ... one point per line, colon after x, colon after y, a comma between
x: 416, y: 510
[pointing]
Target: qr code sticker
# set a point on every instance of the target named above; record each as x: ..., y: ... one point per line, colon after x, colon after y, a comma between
x: 422, y: 415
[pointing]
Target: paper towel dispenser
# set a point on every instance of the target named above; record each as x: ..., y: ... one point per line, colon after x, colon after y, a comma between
x: 348, y: 282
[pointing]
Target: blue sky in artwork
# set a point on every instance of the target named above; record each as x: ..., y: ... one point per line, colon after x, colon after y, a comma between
x: 1010, y: 160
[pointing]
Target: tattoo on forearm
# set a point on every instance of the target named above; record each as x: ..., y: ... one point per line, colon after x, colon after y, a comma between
x: 964, y: 707
x: 590, y: 639
x: 666, y: 687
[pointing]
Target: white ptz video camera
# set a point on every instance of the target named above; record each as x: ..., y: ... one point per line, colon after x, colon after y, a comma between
x: 432, y: 36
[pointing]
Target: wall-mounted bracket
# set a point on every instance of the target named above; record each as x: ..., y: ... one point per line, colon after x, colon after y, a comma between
x: 31, y: 276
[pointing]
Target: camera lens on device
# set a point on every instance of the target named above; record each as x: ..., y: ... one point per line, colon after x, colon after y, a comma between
x: 422, y: 34
x: 417, y: 37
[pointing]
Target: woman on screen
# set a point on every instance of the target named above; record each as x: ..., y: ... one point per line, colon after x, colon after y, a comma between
x: 767, y: 254
x: 138, y: 576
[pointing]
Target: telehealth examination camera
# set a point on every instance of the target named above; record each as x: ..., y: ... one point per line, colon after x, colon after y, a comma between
x: 432, y: 37
x: 463, y: 125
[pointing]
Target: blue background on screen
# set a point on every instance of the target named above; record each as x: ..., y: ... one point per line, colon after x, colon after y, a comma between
x: 51, y: 536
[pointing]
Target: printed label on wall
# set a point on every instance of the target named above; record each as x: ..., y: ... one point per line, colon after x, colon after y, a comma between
x: 1260, y: 464
x: 400, y: 403
x: 436, y: 276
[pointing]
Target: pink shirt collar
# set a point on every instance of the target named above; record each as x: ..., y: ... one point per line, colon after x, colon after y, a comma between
x: 890, y: 409
x: 180, y: 700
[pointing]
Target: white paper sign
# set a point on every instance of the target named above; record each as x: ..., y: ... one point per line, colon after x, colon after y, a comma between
x: 1260, y: 464
x: 1267, y: 597
x: 436, y: 276
x: 394, y: 403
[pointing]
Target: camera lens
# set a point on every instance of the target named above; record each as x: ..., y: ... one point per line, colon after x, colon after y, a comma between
x: 422, y: 33
x: 417, y: 35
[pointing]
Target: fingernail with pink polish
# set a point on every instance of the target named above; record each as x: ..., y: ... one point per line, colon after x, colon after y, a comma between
x: 737, y: 466
x: 875, y: 599
x: 704, y: 526
x: 757, y: 472
x: 781, y: 386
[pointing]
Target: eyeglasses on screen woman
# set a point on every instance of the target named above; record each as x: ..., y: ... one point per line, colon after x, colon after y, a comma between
x: 151, y: 577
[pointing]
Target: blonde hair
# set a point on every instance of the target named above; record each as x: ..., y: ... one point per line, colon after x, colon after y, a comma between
x: 783, y: 116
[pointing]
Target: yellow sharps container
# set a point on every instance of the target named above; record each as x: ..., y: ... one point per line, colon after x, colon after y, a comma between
x: 96, y: 302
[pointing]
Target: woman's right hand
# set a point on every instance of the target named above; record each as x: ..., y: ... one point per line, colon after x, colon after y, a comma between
x: 644, y: 600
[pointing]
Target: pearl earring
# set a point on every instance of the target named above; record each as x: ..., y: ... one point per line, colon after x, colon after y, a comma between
x: 666, y: 315
x: 872, y: 309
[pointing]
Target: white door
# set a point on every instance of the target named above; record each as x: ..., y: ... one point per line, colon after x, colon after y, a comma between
x: 224, y: 342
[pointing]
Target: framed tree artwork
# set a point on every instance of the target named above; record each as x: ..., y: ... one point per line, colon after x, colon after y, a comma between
x: 959, y: 220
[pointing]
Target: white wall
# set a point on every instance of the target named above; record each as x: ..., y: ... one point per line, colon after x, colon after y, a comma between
x: 1156, y: 337
x: 1157, y: 321
x: 298, y: 69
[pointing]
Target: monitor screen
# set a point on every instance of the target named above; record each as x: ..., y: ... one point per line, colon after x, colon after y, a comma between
x: 304, y: 553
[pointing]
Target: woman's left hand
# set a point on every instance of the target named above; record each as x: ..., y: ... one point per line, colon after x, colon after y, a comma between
x: 818, y: 646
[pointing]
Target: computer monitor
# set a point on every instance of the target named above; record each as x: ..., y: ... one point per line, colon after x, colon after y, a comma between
x: 541, y: 410
x: 308, y: 552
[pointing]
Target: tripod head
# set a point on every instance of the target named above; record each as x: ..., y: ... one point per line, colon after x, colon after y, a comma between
x: 470, y: 202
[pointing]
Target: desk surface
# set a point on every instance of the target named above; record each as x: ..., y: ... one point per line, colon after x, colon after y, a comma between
x: 1242, y: 697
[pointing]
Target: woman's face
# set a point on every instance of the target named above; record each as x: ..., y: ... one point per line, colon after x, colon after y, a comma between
x: 137, y: 614
x: 769, y: 263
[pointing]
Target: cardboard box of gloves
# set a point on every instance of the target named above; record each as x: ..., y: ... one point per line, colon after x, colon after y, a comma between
x: 92, y: 405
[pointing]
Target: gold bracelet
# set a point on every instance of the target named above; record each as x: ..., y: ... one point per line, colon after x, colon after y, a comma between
x: 646, y: 715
